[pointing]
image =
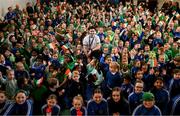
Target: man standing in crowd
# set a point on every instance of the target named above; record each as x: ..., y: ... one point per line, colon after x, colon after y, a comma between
x: 91, y: 43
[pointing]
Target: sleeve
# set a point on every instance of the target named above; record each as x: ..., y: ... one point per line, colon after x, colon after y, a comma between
x: 130, y: 103
x: 109, y: 107
x: 98, y: 40
x: 57, y: 111
x: 158, y: 111
x: 90, y: 110
x: 137, y: 111
x: 43, y: 110
x: 85, y: 111
x: 127, y: 109
x: 85, y: 43
x: 30, y: 108
x: 2, y: 80
x: 106, y: 109
x: 102, y: 60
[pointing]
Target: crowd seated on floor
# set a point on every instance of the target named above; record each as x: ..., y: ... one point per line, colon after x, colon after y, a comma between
x: 90, y: 57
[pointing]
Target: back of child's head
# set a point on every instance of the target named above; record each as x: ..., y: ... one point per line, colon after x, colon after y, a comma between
x: 52, y: 82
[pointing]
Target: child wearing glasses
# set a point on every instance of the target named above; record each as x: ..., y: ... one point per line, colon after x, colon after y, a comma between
x: 135, y: 97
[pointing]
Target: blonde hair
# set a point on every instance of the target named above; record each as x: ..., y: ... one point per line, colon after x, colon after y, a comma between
x: 115, y: 65
x: 79, y: 97
x: 75, y: 73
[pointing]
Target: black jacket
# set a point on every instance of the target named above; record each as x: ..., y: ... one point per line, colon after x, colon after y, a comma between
x: 122, y: 107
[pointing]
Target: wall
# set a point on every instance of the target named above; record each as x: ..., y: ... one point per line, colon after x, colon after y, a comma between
x: 4, y: 4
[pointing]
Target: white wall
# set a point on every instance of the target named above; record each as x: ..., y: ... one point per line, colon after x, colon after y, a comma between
x: 4, y: 4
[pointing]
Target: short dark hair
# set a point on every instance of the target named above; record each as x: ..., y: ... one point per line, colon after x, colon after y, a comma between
x: 160, y: 78
x: 91, y: 27
x: 97, y: 90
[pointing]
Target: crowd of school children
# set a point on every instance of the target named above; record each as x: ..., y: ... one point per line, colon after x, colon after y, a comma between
x: 90, y: 57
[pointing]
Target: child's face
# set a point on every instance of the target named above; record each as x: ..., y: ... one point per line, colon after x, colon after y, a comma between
x: 161, y: 59
x: 51, y: 102
x: 2, y: 59
x: 116, y: 96
x: 112, y: 68
x: 105, y: 50
x: 148, y: 104
x: 108, y: 60
x: 97, y: 97
x: 76, y: 78
x: 77, y: 104
x: 55, y: 56
x: 177, y: 75
x: 158, y: 84
x: 138, y: 87
x: 10, y: 75
x: 2, y: 98
x: 20, y: 98
x: 139, y: 75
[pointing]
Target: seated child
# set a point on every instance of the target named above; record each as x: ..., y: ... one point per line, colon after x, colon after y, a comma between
x: 51, y: 108
x: 21, y: 106
x: 4, y: 103
x: 98, y: 105
x: 78, y: 109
